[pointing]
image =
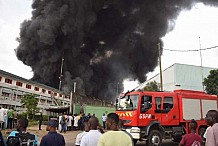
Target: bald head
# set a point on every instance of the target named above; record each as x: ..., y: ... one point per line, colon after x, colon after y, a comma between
x: 93, y: 123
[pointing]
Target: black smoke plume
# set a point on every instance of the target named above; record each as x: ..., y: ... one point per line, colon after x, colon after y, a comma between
x: 102, y: 42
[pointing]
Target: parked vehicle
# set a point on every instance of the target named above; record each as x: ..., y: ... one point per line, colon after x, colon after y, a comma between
x: 153, y: 116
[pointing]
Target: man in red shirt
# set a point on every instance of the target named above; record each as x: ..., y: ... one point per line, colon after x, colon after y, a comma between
x: 191, y: 139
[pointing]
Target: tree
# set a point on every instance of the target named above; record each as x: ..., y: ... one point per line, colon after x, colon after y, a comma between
x: 151, y: 86
x: 30, y: 103
x: 211, y: 82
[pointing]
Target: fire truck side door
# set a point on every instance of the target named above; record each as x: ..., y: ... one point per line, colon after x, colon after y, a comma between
x: 169, y: 112
x: 158, y: 109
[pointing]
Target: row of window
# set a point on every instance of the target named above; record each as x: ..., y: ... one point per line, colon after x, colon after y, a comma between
x: 28, y: 86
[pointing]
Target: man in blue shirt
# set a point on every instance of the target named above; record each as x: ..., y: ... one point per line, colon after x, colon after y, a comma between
x: 52, y: 138
x: 22, y: 124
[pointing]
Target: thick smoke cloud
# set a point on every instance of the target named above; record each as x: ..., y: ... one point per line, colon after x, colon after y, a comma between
x: 103, y: 42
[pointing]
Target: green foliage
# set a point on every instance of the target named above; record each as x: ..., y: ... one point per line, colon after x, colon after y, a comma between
x: 211, y: 82
x: 151, y: 86
x: 32, y: 123
x: 30, y: 103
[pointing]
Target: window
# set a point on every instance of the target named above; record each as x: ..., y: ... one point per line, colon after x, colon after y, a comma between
x: 55, y: 94
x: 43, y: 90
x: 168, y: 104
x: 28, y: 86
x: 49, y: 92
x: 9, y: 81
x: 158, y: 101
x: 0, y: 78
x: 19, y: 83
x: 128, y: 102
x: 36, y: 88
x: 60, y: 95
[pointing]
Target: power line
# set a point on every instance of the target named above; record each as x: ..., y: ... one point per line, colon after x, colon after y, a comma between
x: 191, y: 50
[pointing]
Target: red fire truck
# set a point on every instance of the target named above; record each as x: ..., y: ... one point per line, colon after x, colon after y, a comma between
x: 153, y: 116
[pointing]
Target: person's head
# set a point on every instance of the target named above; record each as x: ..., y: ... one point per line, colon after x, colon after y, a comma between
x: 51, y: 126
x: 86, y: 125
x: 193, y: 125
x: 211, y: 117
x: 104, y: 114
x: 93, y: 123
x: 112, y: 121
x: 22, y: 124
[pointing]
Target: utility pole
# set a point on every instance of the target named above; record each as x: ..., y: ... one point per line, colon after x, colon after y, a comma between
x: 202, y: 74
x: 61, y: 74
x: 161, y: 77
x: 71, y: 98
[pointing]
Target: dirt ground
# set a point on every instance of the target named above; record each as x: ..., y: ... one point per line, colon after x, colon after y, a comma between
x: 69, y: 136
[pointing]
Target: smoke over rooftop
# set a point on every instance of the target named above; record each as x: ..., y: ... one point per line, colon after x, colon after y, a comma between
x: 102, y: 42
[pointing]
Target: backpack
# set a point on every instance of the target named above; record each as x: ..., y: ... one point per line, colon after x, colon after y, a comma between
x: 21, y: 139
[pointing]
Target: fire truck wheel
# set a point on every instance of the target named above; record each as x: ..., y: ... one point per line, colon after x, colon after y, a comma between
x: 154, y: 138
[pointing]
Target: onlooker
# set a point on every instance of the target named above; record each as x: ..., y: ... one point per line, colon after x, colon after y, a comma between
x: 81, y: 121
x: 15, y: 119
x: 91, y: 138
x: 75, y: 124
x: 52, y: 138
x: 80, y: 135
x: 63, y: 123
x: 205, y: 133
x: 1, y: 118
x: 89, y: 115
x: 69, y: 122
x: 191, y: 139
x: 104, y: 117
x: 22, y: 124
x: 114, y: 137
x: 10, y: 117
x: 40, y: 121
x: 212, y: 133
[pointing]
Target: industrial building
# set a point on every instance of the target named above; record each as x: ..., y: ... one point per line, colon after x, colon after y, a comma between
x: 182, y: 76
x: 12, y: 88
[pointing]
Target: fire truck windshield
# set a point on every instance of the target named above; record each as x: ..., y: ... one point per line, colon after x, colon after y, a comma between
x: 128, y: 102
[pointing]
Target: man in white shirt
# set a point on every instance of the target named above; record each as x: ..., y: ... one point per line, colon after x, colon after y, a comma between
x: 91, y: 138
x: 69, y: 122
x: 80, y: 135
x: 75, y: 124
x: 104, y: 117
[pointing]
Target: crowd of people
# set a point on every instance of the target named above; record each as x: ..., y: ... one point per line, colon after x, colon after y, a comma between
x: 8, y: 118
x: 73, y: 122
x: 94, y: 135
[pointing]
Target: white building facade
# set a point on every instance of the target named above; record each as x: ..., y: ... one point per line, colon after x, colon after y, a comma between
x: 182, y: 76
x: 12, y: 88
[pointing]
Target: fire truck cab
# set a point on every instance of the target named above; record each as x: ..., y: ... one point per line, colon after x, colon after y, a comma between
x: 153, y: 116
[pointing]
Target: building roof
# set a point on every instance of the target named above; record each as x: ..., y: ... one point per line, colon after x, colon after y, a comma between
x: 10, y: 75
x: 175, y: 64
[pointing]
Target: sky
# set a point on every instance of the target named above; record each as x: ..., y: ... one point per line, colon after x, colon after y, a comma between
x: 201, y: 21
